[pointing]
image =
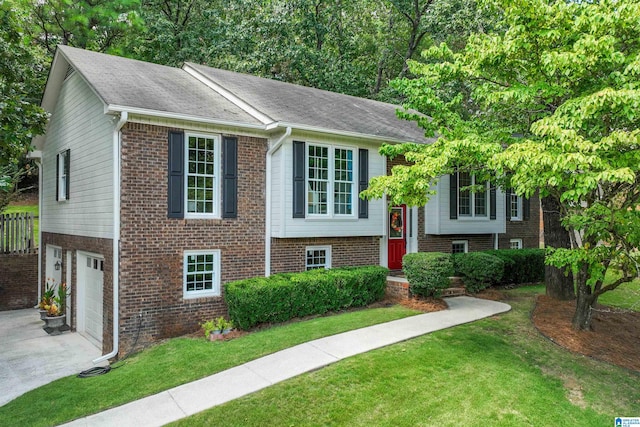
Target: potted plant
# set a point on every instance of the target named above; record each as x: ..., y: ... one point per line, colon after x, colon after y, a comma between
x: 47, y: 298
x: 216, y: 329
x: 55, y: 316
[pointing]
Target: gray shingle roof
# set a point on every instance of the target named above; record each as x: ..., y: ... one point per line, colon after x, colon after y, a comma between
x: 300, y: 105
x: 138, y: 84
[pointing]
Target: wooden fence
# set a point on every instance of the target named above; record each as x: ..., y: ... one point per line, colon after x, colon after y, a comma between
x: 16, y: 233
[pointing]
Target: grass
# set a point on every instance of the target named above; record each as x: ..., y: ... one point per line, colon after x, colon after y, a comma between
x: 497, y: 372
x: 624, y: 296
x: 27, y: 208
x: 172, y: 363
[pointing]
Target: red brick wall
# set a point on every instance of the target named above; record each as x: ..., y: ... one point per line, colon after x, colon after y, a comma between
x: 289, y: 255
x: 103, y: 247
x: 152, y: 245
x: 527, y: 230
x: 18, y: 281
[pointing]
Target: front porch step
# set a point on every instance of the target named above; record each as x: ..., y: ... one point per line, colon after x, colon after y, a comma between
x: 453, y: 292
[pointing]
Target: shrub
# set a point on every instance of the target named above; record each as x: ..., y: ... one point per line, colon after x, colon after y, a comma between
x: 521, y: 265
x: 479, y: 270
x: 284, y: 296
x: 427, y: 272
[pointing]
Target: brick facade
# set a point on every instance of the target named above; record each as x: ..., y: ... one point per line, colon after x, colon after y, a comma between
x: 289, y: 255
x: 102, y: 247
x: 152, y: 245
x: 18, y: 281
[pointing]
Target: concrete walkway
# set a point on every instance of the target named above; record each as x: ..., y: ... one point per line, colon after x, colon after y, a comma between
x: 30, y: 358
x: 197, y: 396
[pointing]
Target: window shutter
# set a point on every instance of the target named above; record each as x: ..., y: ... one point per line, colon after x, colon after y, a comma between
x: 492, y: 202
x: 508, y: 204
x: 176, y: 175
x: 230, y: 177
x: 298, y: 179
x: 67, y: 170
x: 363, y: 182
x: 526, y: 208
x: 453, y: 196
x: 57, y: 176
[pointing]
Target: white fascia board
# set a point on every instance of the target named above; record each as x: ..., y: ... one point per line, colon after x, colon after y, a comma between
x: 111, y: 109
x: 338, y: 132
x: 248, y: 108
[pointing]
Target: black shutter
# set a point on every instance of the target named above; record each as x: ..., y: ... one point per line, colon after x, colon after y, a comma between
x: 230, y: 177
x: 67, y: 171
x: 453, y: 196
x: 507, y: 195
x: 492, y: 202
x: 57, y: 176
x: 298, y: 179
x: 526, y: 208
x: 363, y: 182
x: 175, y: 197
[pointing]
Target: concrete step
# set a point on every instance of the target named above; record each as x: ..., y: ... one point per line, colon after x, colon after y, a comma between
x: 453, y: 292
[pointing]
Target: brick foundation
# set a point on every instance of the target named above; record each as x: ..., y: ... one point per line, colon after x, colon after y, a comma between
x: 289, y: 255
x: 18, y: 281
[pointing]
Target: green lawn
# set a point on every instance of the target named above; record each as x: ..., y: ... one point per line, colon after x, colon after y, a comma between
x: 172, y: 363
x: 495, y: 372
x: 625, y: 296
x: 27, y: 208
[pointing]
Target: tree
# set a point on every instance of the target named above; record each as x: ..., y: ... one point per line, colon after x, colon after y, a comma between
x: 21, y: 118
x: 551, y: 106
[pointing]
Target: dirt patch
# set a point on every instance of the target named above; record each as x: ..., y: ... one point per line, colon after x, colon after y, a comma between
x: 491, y: 294
x: 428, y: 305
x: 615, y: 337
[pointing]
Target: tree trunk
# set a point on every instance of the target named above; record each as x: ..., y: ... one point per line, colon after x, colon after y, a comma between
x: 559, y: 286
x: 584, y: 305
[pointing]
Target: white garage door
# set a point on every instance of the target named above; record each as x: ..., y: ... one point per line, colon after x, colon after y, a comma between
x: 90, y: 295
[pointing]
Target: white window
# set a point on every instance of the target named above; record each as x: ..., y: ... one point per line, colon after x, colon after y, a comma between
x: 201, y: 274
x: 202, y: 159
x: 330, y: 180
x: 515, y: 207
x: 459, y: 246
x: 515, y: 244
x: 318, y: 257
x: 62, y: 172
x: 472, y: 203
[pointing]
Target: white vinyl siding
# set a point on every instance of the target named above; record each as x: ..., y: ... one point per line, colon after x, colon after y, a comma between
x: 283, y: 223
x: 437, y: 220
x: 79, y: 124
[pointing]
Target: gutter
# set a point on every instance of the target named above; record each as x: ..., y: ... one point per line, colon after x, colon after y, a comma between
x: 117, y: 140
x: 267, y: 234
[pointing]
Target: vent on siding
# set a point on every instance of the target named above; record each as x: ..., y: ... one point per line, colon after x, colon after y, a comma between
x: 70, y: 70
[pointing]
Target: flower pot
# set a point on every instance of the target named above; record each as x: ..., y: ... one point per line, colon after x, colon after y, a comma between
x: 53, y: 325
x: 43, y: 313
x: 216, y: 335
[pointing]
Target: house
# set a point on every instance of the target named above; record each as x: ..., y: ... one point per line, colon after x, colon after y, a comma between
x: 160, y: 184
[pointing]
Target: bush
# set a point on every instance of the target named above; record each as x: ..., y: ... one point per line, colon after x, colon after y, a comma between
x: 284, y: 296
x: 479, y: 270
x: 427, y: 272
x: 521, y: 265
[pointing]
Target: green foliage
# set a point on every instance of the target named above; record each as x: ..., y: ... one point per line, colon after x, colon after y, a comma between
x: 282, y: 297
x: 479, y: 270
x: 427, y: 272
x: 521, y: 265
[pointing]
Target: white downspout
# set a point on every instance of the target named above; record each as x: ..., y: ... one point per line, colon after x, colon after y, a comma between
x: 117, y: 136
x: 267, y: 234
x: 40, y: 223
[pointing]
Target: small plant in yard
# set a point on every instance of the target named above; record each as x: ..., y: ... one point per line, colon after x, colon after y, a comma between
x: 54, y: 298
x: 218, y: 326
x: 47, y: 296
x: 427, y: 272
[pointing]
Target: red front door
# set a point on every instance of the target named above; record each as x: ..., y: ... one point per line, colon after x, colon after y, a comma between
x: 397, y: 236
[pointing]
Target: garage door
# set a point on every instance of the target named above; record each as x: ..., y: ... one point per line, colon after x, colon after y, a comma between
x: 90, y: 296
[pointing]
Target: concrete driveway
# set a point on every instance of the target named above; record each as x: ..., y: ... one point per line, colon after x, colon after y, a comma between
x: 30, y: 358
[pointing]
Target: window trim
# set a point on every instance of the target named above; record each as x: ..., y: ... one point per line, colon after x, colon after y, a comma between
x: 331, y: 182
x: 518, y: 241
x: 216, y: 289
x: 326, y: 248
x: 63, y: 166
x: 460, y: 242
x: 217, y: 178
x: 519, y: 216
x: 472, y: 200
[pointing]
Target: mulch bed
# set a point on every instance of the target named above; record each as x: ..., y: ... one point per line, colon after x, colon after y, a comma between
x: 615, y: 337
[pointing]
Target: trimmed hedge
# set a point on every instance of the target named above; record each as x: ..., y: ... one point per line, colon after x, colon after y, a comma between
x: 479, y: 270
x: 281, y: 297
x: 521, y: 265
x: 427, y: 272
